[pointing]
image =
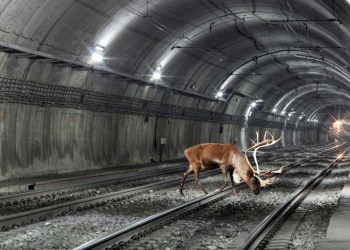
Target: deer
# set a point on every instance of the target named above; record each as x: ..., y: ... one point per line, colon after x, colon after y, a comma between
x: 229, y: 159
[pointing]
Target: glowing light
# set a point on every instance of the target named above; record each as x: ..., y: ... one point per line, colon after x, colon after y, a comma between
x: 253, y: 104
x: 219, y: 94
x: 96, y: 57
x: 97, y: 54
x: 337, y: 125
x: 274, y: 110
x: 340, y: 157
x: 157, y: 74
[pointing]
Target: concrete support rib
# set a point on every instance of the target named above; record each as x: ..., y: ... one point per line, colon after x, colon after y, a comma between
x: 69, y: 114
x: 20, y: 52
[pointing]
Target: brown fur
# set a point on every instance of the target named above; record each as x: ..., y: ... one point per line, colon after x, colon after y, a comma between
x: 227, y: 157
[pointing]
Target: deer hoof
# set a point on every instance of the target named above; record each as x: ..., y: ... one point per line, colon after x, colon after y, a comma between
x: 235, y: 192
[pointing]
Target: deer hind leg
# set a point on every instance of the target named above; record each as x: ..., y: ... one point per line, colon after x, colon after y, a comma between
x: 235, y: 190
x: 188, y: 171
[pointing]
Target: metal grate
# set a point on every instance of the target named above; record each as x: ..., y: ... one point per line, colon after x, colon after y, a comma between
x: 257, y: 122
x: 45, y: 95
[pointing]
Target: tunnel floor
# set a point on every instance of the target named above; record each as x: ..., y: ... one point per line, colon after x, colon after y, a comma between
x: 217, y: 227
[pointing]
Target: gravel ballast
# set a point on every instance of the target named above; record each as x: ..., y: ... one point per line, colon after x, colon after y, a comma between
x: 217, y: 227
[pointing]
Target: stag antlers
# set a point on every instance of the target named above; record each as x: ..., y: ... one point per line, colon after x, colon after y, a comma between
x: 256, y: 146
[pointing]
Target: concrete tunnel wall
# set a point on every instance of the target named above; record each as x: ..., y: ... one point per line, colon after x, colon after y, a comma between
x: 41, y: 141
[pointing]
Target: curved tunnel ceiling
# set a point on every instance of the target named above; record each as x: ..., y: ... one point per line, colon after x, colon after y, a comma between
x: 290, y: 54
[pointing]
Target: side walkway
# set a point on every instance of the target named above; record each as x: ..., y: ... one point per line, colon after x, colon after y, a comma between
x: 338, y: 232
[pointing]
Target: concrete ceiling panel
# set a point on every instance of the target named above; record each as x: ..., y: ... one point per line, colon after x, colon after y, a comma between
x: 203, y: 46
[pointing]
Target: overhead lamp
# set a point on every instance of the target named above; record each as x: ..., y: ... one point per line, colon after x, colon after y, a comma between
x: 338, y: 123
x: 253, y: 104
x: 219, y: 94
x: 290, y: 114
x: 274, y: 110
x: 97, y: 54
x: 157, y: 74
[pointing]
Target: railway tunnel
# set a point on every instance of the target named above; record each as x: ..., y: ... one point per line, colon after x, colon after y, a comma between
x: 98, y: 91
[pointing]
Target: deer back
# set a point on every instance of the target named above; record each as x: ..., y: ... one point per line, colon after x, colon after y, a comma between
x: 212, y: 153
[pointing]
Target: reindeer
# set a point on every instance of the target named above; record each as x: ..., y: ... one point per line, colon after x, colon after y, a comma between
x: 228, y: 158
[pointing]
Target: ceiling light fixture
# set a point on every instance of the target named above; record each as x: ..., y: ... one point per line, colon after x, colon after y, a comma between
x: 157, y: 74
x: 219, y: 94
x: 97, y: 54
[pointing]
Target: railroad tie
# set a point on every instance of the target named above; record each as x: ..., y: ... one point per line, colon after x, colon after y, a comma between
x: 282, y: 238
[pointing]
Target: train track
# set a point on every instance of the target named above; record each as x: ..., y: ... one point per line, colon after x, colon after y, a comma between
x: 260, y: 237
x: 69, y: 186
x: 66, y: 186
x: 41, y: 214
x: 144, y: 227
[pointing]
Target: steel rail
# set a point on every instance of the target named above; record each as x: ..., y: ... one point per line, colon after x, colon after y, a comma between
x: 49, y: 188
x: 23, y: 218
x: 145, y: 226
x: 84, y: 184
x: 263, y: 233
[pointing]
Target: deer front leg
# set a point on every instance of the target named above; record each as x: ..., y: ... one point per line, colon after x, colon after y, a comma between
x: 235, y: 190
x: 224, y: 173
